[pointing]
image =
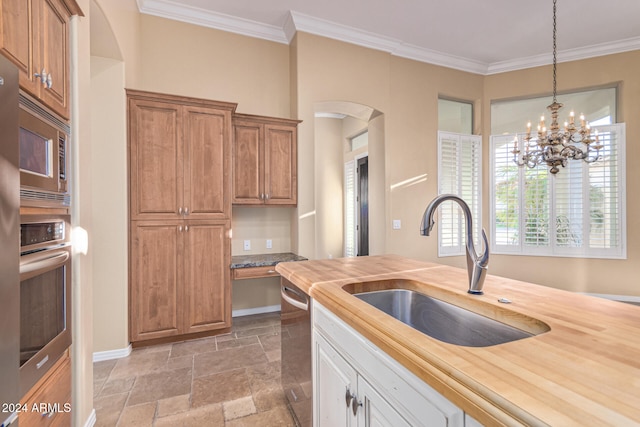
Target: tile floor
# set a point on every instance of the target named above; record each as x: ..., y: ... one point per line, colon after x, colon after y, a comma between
x: 229, y: 381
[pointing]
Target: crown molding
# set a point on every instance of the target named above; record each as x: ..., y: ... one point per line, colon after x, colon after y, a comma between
x: 219, y: 21
x: 300, y: 22
x: 593, y: 51
x: 421, y: 54
x: 332, y: 30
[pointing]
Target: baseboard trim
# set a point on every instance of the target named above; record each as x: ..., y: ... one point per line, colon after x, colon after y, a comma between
x: 91, y: 421
x: 100, y: 356
x: 255, y: 310
x: 621, y: 298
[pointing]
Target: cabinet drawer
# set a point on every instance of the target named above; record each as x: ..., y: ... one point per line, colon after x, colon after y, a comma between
x: 48, y: 403
x: 254, y: 272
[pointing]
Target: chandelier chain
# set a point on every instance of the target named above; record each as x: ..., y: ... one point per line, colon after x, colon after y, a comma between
x: 554, y: 146
x: 554, y: 51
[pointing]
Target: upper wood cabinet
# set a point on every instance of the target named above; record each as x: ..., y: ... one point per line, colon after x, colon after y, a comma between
x: 264, y: 160
x: 34, y: 34
x: 180, y: 157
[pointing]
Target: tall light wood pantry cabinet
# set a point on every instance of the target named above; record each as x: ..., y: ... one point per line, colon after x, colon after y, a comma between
x: 180, y: 216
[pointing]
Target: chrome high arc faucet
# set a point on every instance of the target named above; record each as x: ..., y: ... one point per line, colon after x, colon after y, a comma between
x: 476, y: 264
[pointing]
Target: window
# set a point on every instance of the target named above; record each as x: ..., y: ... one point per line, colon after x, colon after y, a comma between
x: 459, y: 173
x: 455, y: 116
x: 579, y: 212
x: 350, y: 209
x: 360, y: 141
x: 508, y: 117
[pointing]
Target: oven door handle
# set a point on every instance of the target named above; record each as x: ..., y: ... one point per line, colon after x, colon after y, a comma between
x: 54, y: 259
x: 298, y: 304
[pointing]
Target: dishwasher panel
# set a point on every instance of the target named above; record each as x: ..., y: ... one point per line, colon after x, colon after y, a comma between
x: 295, y: 319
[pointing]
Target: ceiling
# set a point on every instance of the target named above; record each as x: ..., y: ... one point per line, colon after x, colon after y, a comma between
x: 484, y: 37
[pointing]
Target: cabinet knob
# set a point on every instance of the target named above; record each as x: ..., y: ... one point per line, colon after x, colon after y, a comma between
x: 348, y: 396
x: 180, y: 228
x: 45, y: 78
x: 42, y: 76
x: 180, y: 210
x: 355, y: 405
x: 186, y: 210
x: 186, y: 228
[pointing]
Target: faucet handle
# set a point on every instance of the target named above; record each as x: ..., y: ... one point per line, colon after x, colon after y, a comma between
x: 484, y: 258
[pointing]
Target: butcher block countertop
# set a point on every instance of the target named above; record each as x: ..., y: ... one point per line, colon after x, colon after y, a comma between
x: 581, y: 369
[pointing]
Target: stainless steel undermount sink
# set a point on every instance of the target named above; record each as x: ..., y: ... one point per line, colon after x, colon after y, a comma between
x: 441, y: 320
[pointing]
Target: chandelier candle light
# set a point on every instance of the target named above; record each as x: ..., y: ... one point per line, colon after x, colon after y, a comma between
x: 553, y: 146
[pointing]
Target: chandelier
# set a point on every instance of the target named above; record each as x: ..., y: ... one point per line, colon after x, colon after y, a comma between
x: 554, y: 147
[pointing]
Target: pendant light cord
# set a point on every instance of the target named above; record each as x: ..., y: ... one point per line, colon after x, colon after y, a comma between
x: 554, y: 51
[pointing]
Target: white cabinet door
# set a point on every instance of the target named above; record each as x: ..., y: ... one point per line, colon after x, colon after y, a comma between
x: 389, y: 393
x: 335, y: 383
x: 377, y: 412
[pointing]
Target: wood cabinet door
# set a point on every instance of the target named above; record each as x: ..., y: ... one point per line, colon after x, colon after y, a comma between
x: 334, y: 377
x: 16, y: 35
x: 207, y: 158
x: 280, y: 165
x: 54, y: 55
x: 155, y: 277
x: 52, y: 397
x: 207, y: 282
x: 156, y: 160
x: 247, y: 160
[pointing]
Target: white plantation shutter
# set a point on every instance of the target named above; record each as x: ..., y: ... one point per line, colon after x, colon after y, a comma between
x: 350, y: 209
x: 578, y: 212
x: 459, y: 173
x: 505, y: 188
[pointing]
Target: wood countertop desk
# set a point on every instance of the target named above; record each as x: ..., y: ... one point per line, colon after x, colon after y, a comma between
x: 583, y: 371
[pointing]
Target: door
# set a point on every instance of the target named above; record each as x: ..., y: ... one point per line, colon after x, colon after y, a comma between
x: 156, y: 160
x: 247, y: 161
x: 207, y: 280
x: 15, y: 39
x: 280, y: 165
x: 54, y: 55
x: 376, y: 411
x: 363, y: 206
x: 156, y: 271
x: 207, y: 151
x: 335, y: 388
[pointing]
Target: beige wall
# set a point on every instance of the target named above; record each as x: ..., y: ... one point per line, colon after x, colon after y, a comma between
x: 257, y: 225
x: 82, y: 291
x: 618, y: 277
x: 158, y: 56
x: 329, y: 201
x: 185, y: 59
x: 278, y: 80
x: 328, y: 70
x: 405, y: 93
x: 109, y: 205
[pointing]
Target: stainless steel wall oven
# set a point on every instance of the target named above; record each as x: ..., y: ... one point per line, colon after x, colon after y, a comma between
x: 45, y: 294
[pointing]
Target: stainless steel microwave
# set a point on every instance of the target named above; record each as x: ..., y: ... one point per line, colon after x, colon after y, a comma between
x: 43, y: 155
